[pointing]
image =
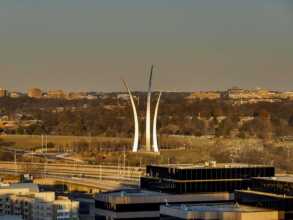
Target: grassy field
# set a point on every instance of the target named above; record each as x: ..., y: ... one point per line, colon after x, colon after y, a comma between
x: 32, y: 141
x: 187, y: 149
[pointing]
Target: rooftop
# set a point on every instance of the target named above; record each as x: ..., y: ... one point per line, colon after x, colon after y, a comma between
x: 145, y: 196
x: 284, y: 179
x: 130, y: 192
x: 215, y: 207
x: 31, y: 186
x: 208, y: 165
x: 274, y: 195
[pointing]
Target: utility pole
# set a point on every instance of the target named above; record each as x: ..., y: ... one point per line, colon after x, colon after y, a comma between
x: 42, y: 150
x: 100, y: 172
x: 42, y: 137
x: 140, y: 163
x: 118, y: 166
x: 124, y: 159
x: 15, y: 163
x: 45, y: 154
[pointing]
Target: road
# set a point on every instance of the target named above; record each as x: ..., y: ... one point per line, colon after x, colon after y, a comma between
x: 122, y: 175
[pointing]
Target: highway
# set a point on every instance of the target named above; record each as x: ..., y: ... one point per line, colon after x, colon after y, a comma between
x: 82, y: 172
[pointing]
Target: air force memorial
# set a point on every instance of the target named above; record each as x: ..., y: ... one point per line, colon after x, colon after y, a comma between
x: 150, y: 143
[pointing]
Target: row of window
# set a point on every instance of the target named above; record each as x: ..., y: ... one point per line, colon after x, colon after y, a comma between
x: 210, y: 173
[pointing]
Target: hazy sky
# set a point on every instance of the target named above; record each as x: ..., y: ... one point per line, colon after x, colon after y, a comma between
x: 195, y: 44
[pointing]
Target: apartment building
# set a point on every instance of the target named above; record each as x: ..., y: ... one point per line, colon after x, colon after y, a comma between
x: 26, y: 201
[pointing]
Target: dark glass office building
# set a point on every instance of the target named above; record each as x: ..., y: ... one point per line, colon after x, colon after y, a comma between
x: 273, y: 193
x: 177, y: 184
x: 206, y: 178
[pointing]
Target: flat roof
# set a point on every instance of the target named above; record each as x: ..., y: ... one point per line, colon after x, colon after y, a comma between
x: 130, y: 192
x: 210, y: 165
x: 215, y: 207
x: 274, y: 195
x: 285, y: 179
x: 145, y: 196
x: 31, y: 186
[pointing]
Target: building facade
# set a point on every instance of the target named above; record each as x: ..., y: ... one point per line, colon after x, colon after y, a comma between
x: 217, y: 211
x: 202, y: 178
x: 3, y: 92
x: 273, y: 193
x: 56, y: 94
x: 142, y: 204
x: 35, y: 93
x: 26, y: 201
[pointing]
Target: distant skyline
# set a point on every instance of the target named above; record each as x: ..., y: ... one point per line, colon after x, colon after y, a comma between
x: 194, y: 44
x: 45, y: 90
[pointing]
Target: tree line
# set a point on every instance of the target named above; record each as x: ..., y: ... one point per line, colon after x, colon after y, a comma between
x: 178, y: 116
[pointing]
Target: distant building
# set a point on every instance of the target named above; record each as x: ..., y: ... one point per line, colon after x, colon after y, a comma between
x: 211, y: 95
x: 3, y: 92
x: 35, y: 93
x: 123, y: 96
x: 242, y: 96
x: 56, y: 94
x: 91, y: 97
x: 286, y: 95
x: 77, y: 95
x: 25, y: 200
x: 15, y: 94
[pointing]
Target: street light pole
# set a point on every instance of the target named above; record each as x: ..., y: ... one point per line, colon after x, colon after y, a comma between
x: 15, y: 163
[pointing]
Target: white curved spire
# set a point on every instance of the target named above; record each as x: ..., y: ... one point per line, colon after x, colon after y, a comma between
x: 135, y: 117
x: 155, y: 136
x: 148, y: 113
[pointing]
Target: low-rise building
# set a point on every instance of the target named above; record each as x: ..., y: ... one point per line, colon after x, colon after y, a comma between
x: 76, y: 95
x: 143, y: 204
x: 3, y: 92
x: 15, y: 94
x: 35, y: 93
x: 56, y: 94
x: 219, y: 211
x: 92, y: 97
x: 242, y: 96
x: 211, y: 95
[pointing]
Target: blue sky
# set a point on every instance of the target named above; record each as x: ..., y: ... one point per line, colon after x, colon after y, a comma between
x: 195, y: 44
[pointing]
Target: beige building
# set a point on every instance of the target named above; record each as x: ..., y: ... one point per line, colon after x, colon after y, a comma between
x: 211, y: 95
x: 15, y: 94
x: 242, y: 96
x: 56, y: 94
x: 77, y: 95
x: 220, y: 211
x: 286, y: 95
x: 3, y: 92
x: 26, y: 201
x: 35, y: 93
